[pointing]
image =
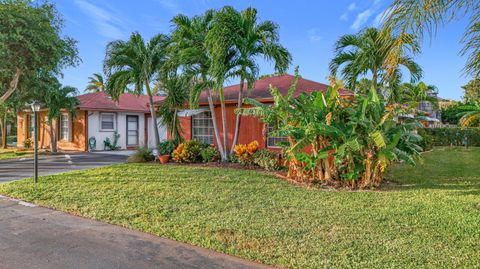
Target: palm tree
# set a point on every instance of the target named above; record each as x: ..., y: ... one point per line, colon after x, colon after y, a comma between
x: 417, y: 18
x: 366, y: 53
x: 96, y: 83
x: 137, y: 63
x: 176, y: 88
x: 188, y: 49
x: 58, y: 98
x: 412, y: 94
x: 471, y: 117
x: 251, y: 39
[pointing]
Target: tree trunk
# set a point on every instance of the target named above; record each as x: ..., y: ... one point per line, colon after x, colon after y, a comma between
x: 174, y: 131
x: 12, y: 87
x: 239, y: 117
x: 3, y: 126
x: 154, y: 115
x: 53, y: 138
x: 215, y: 126
x: 224, y: 126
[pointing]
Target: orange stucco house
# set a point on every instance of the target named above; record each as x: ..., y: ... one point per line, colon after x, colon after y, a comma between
x: 97, y: 118
x: 197, y: 124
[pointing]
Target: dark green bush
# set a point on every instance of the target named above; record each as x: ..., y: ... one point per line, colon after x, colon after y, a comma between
x: 141, y: 155
x: 454, y: 136
x: 266, y: 159
x: 427, y: 140
x: 167, y: 147
x: 209, y: 154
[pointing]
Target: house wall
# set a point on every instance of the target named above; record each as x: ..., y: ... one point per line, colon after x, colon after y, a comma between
x: 120, y: 128
x: 162, y: 132
x: 251, y: 128
x: 78, y: 141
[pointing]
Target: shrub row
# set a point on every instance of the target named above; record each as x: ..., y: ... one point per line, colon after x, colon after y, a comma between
x: 453, y: 136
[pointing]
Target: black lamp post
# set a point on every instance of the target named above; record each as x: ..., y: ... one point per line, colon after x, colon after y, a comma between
x: 35, y: 109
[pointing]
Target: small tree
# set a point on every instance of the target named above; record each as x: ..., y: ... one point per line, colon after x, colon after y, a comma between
x: 96, y: 83
x: 176, y: 88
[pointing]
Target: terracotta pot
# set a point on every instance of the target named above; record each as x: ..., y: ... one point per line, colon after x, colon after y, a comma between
x: 164, y: 158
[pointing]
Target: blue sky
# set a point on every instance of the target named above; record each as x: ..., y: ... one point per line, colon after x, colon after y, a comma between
x: 308, y: 29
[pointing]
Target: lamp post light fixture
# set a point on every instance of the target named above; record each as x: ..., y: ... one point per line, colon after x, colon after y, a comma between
x: 35, y: 108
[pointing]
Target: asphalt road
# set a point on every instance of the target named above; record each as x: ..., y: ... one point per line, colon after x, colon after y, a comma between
x: 40, y: 238
x: 14, y: 169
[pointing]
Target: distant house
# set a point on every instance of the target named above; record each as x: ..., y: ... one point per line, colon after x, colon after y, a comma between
x: 197, y: 124
x: 428, y: 107
x: 97, y: 118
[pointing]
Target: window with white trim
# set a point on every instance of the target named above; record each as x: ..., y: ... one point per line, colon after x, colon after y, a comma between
x: 202, y: 127
x: 64, y: 127
x: 30, y: 129
x: 272, y: 141
x: 107, y: 121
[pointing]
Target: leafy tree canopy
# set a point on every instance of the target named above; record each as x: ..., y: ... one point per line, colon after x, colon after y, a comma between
x: 31, y: 42
x: 471, y: 91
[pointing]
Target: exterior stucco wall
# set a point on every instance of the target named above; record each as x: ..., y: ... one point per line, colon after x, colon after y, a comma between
x: 94, y: 129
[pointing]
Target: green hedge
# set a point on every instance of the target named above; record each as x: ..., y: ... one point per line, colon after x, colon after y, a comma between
x: 454, y: 136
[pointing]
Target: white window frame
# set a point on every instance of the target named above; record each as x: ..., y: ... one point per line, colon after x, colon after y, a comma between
x: 276, y: 139
x: 210, y: 138
x: 100, y: 117
x: 61, y: 126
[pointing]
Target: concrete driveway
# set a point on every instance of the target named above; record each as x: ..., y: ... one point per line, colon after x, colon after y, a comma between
x: 41, y: 238
x: 14, y: 169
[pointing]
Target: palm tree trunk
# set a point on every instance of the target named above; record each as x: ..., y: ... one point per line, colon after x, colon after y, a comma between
x: 174, y: 125
x: 239, y: 117
x: 224, y: 126
x: 154, y: 115
x: 215, y: 126
x: 53, y: 138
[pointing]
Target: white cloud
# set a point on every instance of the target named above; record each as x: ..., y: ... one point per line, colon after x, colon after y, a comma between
x: 361, y: 19
x: 171, y: 5
x: 108, y: 24
x: 352, y: 6
x: 314, y: 35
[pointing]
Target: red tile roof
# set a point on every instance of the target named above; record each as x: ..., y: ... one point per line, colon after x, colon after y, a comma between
x: 127, y: 102
x: 261, y: 89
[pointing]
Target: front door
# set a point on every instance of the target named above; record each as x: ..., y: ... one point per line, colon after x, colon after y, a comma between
x: 132, y: 130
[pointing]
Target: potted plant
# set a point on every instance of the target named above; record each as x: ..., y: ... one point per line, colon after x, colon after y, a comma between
x: 165, y: 149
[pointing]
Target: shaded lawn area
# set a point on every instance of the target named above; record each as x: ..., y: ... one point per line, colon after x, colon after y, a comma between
x: 431, y: 218
x: 11, y: 154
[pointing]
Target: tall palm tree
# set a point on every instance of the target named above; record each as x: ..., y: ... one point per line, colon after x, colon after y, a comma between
x: 189, y: 51
x: 58, y: 98
x: 419, y: 18
x: 137, y: 63
x: 366, y: 53
x: 251, y: 39
x: 96, y: 83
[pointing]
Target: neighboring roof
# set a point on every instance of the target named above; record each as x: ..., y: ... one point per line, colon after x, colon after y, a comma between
x: 261, y: 88
x: 127, y: 102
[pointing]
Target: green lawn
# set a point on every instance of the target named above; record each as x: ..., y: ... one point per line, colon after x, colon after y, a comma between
x: 429, y: 219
